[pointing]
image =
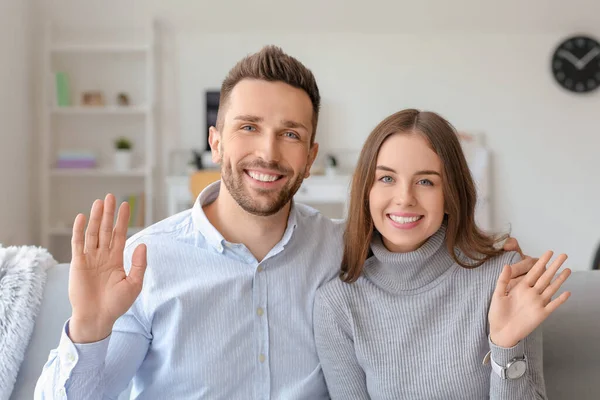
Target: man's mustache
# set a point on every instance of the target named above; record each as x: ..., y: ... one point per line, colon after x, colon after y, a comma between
x: 273, y: 166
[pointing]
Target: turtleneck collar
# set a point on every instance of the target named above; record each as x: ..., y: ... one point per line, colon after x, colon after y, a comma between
x: 414, y: 271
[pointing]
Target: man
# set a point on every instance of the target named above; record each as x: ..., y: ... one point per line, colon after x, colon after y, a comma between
x: 225, y: 309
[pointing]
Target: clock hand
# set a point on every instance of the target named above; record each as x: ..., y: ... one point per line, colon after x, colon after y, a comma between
x: 588, y: 57
x: 569, y: 57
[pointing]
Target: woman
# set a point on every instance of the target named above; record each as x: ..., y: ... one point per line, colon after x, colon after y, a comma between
x: 423, y: 296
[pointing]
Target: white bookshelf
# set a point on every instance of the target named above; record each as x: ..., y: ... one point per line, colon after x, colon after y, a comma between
x: 62, y: 231
x: 97, y: 172
x: 101, y: 48
x: 106, y: 110
x: 110, y: 62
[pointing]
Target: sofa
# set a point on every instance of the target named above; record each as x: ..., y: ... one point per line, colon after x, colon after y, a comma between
x: 571, y: 338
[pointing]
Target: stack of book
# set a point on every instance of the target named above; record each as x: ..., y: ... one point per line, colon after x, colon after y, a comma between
x: 136, y: 209
x: 76, y: 159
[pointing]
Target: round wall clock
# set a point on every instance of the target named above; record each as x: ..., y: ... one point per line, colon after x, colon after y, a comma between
x: 576, y: 64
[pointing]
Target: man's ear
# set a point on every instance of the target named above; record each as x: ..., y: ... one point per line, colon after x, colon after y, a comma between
x: 312, y: 155
x: 214, y: 139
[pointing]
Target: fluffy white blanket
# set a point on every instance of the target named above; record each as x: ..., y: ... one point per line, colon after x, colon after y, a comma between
x: 22, y: 280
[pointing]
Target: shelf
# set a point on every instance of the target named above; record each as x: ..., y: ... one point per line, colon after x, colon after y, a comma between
x: 113, y: 62
x: 101, y: 110
x: 97, y: 172
x: 66, y: 231
x: 100, y: 48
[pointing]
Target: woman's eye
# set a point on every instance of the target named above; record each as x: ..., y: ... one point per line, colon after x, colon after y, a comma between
x: 425, y: 182
x: 386, y: 179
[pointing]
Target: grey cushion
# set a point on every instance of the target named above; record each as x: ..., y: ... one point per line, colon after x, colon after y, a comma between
x: 572, y: 341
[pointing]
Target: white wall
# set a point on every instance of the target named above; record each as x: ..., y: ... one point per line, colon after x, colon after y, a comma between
x: 545, y: 142
x: 485, y: 69
x: 16, y: 113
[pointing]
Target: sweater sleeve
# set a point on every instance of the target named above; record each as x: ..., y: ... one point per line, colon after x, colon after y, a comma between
x: 344, y: 376
x: 531, y: 385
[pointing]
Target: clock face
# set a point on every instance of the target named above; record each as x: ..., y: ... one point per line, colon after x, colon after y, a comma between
x: 576, y: 64
x: 516, y: 369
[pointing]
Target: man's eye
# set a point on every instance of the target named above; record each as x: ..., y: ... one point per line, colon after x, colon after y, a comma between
x: 248, y: 128
x: 292, y: 135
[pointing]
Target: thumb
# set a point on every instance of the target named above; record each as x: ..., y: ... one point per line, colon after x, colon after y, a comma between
x: 138, y: 265
x: 502, y: 283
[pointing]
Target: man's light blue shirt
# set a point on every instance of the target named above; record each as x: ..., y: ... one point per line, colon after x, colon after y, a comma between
x: 211, y: 321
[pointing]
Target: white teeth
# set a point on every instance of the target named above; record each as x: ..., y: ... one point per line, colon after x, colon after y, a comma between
x: 403, y: 220
x: 263, y: 177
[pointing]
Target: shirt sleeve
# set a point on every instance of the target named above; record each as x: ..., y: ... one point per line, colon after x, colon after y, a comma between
x: 344, y: 376
x: 99, y: 370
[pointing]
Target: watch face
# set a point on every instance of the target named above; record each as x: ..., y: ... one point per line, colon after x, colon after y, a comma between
x: 576, y: 64
x: 516, y: 369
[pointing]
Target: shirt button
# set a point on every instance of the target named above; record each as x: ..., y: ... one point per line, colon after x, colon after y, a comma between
x: 62, y: 392
x: 261, y: 358
x: 260, y: 268
x: 260, y: 311
x: 70, y: 357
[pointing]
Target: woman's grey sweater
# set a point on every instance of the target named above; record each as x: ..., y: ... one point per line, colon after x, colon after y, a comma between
x: 415, y: 326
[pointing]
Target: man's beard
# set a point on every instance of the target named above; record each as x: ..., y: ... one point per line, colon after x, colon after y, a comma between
x: 272, y: 201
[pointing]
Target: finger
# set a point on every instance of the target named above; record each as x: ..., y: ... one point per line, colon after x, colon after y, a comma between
x: 77, y: 242
x: 521, y: 268
x: 512, y: 244
x: 138, y: 265
x: 502, y: 283
x: 538, y: 269
x: 554, y: 304
x: 554, y: 286
x: 120, y: 231
x: 514, y: 282
x: 91, y: 233
x: 544, y: 280
x: 106, y: 226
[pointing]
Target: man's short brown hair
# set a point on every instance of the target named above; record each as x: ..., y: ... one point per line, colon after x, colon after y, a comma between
x: 271, y: 64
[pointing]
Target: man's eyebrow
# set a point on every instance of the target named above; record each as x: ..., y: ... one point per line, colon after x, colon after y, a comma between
x: 293, y: 124
x: 248, y: 118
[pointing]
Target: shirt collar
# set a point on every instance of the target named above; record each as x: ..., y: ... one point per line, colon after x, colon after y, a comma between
x: 214, y: 237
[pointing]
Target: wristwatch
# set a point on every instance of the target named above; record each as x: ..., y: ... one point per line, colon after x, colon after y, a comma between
x: 514, y: 369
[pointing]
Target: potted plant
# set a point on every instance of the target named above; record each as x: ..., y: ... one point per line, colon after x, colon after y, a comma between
x: 122, y: 159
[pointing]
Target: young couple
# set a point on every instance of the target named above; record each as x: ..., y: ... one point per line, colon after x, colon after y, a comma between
x: 249, y: 295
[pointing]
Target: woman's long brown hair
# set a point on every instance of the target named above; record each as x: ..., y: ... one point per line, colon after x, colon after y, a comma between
x: 459, y: 193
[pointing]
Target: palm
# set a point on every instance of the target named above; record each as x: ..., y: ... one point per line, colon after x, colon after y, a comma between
x: 99, y: 289
x: 94, y: 282
x: 514, y: 315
